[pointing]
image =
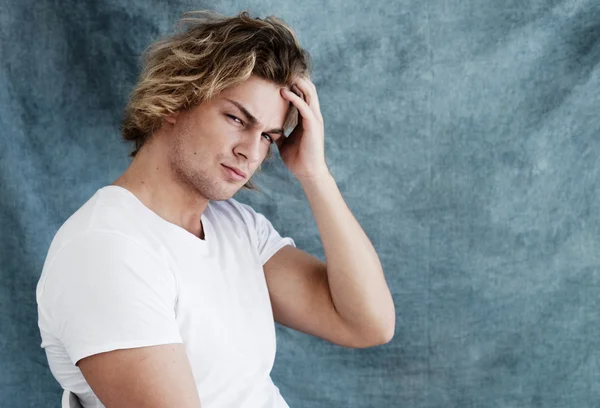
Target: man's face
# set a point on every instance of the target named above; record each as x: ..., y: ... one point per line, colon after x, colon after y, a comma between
x: 235, y: 129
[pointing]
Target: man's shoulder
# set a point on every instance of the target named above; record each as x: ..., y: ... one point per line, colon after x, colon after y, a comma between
x: 104, y: 214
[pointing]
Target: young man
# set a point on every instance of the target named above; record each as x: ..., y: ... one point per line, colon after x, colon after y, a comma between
x: 162, y: 290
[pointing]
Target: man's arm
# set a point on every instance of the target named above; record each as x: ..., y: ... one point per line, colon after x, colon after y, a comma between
x: 347, y: 300
x: 153, y: 377
x: 105, y: 291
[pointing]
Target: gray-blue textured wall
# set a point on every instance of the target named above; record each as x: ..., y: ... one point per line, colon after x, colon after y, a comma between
x: 464, y: 135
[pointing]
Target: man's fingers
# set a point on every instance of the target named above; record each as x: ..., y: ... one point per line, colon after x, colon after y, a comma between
x: 305, y: 97
x: 309, y: 90
x: 303, y: 108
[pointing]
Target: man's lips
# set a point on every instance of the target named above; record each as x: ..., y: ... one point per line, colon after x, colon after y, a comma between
x: 237, y: 171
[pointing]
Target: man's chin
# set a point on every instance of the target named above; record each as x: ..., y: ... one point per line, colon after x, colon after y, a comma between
x: 222, y: 195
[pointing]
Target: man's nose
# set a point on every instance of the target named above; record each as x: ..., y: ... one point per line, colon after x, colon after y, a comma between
x: 250, y: 147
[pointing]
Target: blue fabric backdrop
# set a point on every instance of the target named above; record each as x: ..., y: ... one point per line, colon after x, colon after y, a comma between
x: 464, y: 135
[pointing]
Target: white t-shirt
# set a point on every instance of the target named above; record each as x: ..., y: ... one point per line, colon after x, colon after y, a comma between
x: 119, y: 276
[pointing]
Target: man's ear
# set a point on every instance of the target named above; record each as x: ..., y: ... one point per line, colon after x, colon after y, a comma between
x: 172, y: 118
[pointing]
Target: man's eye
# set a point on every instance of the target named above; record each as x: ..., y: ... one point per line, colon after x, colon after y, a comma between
x: 235, y: 119
x: 270, y: 139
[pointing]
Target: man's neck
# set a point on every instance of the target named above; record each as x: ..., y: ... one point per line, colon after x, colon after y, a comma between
x: 150, y: 179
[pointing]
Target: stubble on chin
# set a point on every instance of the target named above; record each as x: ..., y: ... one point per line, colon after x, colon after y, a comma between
x: 196, y: 180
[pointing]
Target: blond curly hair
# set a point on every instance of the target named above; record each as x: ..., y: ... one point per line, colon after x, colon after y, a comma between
x: 212, y: 53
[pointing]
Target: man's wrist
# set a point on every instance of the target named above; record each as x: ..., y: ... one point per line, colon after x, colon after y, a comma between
x: 319, y: 183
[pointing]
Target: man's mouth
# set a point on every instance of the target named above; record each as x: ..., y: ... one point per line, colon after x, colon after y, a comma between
x: 235, y: 173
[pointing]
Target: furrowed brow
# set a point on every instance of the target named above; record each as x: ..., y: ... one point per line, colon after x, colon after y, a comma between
x: 251, y: 118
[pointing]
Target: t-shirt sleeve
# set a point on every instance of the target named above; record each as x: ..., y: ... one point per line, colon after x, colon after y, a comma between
x: 105, y: 292
x: 268, y: 240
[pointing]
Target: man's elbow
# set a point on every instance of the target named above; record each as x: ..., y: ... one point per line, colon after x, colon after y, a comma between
x: 387, y: 329
x: 383, y: 327
x: 377, y: 337
x: 386, y: 335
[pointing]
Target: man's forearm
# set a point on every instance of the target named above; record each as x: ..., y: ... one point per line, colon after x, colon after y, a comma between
x: 356, y: 280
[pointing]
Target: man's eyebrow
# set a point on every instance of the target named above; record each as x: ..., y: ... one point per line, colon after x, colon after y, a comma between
x: 251, y: 118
